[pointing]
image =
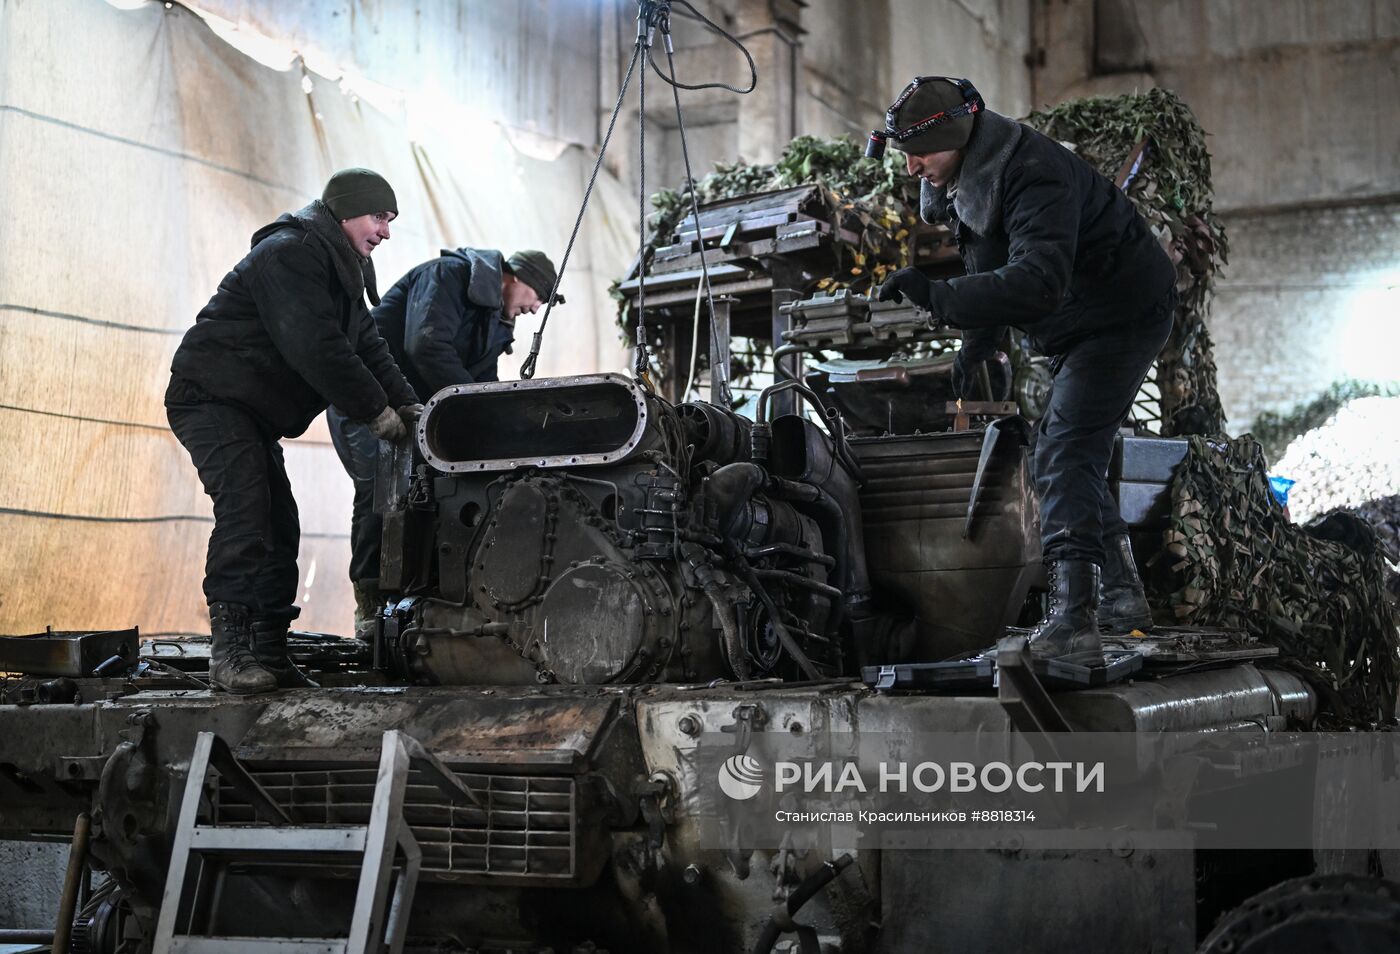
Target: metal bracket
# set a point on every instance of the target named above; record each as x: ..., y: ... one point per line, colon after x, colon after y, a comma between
x: 749, y: 717
x: 657, y: 798
x: 79, y: 768
x: 1027, y: 704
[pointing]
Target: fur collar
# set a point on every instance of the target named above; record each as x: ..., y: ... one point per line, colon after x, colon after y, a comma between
x: 978, y: 200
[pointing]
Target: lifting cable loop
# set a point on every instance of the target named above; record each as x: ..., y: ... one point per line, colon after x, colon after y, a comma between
x: 645, y: 26
x: 725, y: 396
x: 651, y: 14
x: 527, y: 370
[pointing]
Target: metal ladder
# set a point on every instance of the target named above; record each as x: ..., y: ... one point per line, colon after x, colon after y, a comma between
x: 378, y: 922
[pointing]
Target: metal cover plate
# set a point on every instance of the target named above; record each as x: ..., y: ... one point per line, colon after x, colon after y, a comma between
x: 73, y: 654
x: 463, y: 727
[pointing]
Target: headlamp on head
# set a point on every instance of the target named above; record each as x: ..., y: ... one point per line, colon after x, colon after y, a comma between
x: 972, y: 103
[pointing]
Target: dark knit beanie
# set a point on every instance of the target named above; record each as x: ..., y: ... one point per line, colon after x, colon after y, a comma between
x: 534, y: 268
x: 353, y: 192
x: 928, y: 99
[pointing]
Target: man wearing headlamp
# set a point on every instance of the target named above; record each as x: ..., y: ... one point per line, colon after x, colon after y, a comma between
x: 1051, y: 247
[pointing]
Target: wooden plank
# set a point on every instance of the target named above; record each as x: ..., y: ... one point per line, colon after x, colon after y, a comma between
x: 799, y: 198
x: 718, y: 272
x: 730, y: 227
x: 687, y: 295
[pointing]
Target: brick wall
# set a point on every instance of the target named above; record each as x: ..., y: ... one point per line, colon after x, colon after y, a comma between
x: 1297, y: 98
x: 1310, y: 296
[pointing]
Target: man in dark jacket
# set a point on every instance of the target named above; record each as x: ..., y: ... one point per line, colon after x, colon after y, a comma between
x: 286, y: 334
x: 1053, y: 248
x: 446, y: 322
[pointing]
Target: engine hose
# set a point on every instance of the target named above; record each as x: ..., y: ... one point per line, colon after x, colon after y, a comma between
x: 780, y: 920
x: 791, y: 384
x: 790, y: 550
x: 804, y: 582
x: 733, y: 645
x: 774, y: 620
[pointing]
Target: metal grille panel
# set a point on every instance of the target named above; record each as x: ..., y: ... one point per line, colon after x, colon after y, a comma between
x: 527, y: 829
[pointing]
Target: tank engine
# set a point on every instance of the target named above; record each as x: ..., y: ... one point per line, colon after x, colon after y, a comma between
x: 583, y: 530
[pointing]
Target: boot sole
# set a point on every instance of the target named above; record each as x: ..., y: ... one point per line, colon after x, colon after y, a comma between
x: 241, y: 692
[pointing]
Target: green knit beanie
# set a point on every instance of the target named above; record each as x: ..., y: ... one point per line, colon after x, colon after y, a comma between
x: 534, y: 268
x: 354, y: 192
x: 928, y: 99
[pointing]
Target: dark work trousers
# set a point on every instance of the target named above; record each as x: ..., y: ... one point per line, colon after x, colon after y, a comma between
x: 359, y: 452
x: 1094, y: 386
x: 253, y: 547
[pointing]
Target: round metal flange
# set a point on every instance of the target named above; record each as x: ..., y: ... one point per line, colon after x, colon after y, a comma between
x: 1336, y: 914
x: 598, y: 623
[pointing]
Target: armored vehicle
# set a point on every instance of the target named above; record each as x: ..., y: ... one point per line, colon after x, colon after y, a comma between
x: 592, y: 584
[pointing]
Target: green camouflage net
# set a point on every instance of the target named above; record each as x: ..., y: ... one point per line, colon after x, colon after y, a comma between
x: 1275, y: 430
x: 1316, y: 592
x: 874, y: 198
x: 1172, y: 190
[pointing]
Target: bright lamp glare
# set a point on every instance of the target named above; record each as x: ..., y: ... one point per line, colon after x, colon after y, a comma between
x: 1370, y: 339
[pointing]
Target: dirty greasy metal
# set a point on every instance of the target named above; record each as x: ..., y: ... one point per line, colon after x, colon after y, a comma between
x: 68, y: 654
x: 578, y: 596
x: 559, y: 769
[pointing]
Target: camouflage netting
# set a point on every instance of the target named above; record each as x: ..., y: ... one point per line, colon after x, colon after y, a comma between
x: 876, y: 199
x: 1276, y: 430
x: 1383, y: 514
x: 1317, y: 592
x: 1172, y: 190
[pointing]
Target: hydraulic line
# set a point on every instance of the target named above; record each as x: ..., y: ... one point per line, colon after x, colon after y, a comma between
x: 781, y: 919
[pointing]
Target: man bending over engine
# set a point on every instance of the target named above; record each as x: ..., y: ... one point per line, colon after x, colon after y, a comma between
x: 1052, y: 247
x: 286, y: 334
x: 447, y: 322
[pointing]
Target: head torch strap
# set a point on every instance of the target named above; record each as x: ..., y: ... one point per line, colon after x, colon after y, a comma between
x: 972, y: 103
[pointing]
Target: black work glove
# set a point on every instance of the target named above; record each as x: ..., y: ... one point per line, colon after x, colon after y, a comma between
x: 967, y: 377
x: 409, y: 414
x: 907, y: 283
x: 388, y: 426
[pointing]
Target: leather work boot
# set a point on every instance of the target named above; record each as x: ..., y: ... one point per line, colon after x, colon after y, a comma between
x: 1069, y: 625
x: 369, y: 600
x: 232, y: 665
x: 270, y: 650
x: 1122, y: 602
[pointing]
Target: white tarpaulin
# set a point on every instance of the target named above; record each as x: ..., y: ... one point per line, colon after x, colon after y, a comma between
x: 139, y: 152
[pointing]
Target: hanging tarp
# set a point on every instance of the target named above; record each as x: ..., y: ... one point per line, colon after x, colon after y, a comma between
x: 140, y: 152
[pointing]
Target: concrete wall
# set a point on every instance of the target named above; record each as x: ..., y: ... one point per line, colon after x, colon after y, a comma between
x: 31, y: 880
x: 851, y: 60
x: 1299, y: 100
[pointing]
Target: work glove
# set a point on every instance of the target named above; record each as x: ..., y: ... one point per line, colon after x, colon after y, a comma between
x: 907, y: 283
x: 410, y: 413
x: 967, y: 377
x: 388, y: 426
